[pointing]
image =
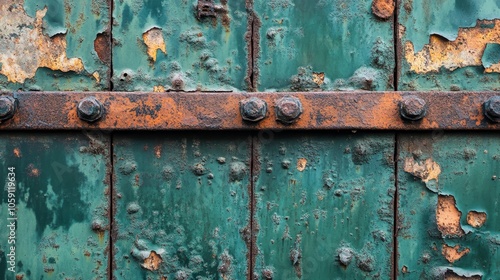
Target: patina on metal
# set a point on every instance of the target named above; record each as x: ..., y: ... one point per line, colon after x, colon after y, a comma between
x: 209, y: 111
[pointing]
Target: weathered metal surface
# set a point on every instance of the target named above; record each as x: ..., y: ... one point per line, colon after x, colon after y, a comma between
x: 448, y: 220
x: 215, y: 111
x: 324, y: 206
x: 182, y: 206
x: 54, y: 205
x: 449, y: 45
x: 323, y: 45
x: 173, y: 45
x: 54, y: 45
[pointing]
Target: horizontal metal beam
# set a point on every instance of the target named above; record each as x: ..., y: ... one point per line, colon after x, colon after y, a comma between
x: 218, y: 111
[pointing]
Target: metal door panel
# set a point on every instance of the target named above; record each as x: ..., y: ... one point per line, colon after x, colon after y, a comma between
x: 448, y: 220
x: 449, y: 45
x: 324, y: 206
x: 60, y: 206
x: 53, y: 45
x: 180, y: 45
x: 182, y: 206
x: 323, y: 45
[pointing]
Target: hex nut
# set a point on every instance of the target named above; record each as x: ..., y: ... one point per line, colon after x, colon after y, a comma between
x: 412, y: 108
x: 253, y: 109
x: 288, y: 109
x: 90, y: 109
x: 492, y: 109
x: 8, y: 107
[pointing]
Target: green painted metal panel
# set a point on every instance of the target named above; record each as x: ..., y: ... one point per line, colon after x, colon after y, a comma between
x: 447, y: 45
x: 323, y: 45
x: 54, y: 206
x: 53, y: 45
x: 448, y: 196
x: 164, y: 45
x: 324, y: 206
x: 182, y: 206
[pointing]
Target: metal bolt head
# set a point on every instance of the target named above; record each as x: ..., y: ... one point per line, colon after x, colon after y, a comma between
x: 90, y: 109
x: 253, y: 109
x: 412, y: 108
x: 8, y: 106
x: 288, y: 109
x: 492, y: 109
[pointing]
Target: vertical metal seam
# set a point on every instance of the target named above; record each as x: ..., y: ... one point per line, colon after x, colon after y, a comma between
x: 252, y: 208
x: 396, y: 44
x: 111, y: 70
x: 111, y: 207
x: 395, y: 209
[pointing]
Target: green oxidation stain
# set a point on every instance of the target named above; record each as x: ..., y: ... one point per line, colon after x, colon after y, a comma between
x: 324, y: 206
x: 421, y: 19
x: 61, y: 195
x: 187, y: 200
x: 341, y: 40
x: 470, y: 164
x: 80, y: 22
x: 200, y: 54
x: 491, y: 55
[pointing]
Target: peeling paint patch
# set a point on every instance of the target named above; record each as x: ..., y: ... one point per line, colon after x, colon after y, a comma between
x: 158, y: 89
x: 318, y: 78
x: 450, y: 275
x: 152, y: 262
x: 153, y: 38
x: 448, y: 217
x: 96, y: 76
x: 453, y: 254
x: 22, y: 35
x: 301, y: 164
x: 427, y: 170
x: 466, y: 50
x: 383, y: 9
x: 491, y: 58
x: 102, y: 47
x: 476, y: 219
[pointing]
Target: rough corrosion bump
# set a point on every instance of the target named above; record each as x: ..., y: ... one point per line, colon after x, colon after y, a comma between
x: 90, y: 109
x: 383, y: 9
x: 253, y: 109
x: 412, y: 108
x: 288, y: 109
x: 8, y: 107
x: 492, y: 109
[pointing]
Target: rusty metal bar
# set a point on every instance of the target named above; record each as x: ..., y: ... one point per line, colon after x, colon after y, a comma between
x: 221, y: 111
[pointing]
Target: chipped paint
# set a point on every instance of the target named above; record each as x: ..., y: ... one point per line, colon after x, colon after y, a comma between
x: 318, y: 78
x: 466, y: 50
x: 301, y: 164
x: 448, y: 217
x: 44, y: 51
x: 96, y: 76
x: 453, y: 254
x: 153, y: 38
x: 152, y: 262
x: 476, y: 219
x: 383, y: 9
x: 427, y: 170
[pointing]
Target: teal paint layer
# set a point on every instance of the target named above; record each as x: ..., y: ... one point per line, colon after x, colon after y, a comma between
x: 80, y: 22
x: 185, y: 198
x: 333, y: 219
x: 470, y: 164
x: 418, y: 20
x: 62, y: 205
x: 341, y: 39
x: 200, y: 54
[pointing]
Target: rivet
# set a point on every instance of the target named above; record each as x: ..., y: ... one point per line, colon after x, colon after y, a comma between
x: 288, y: 109
x: 412, y: 108
x: 90, y: 109
x: 492, y: 109
x: 8, y: 107
x: 253, y: 109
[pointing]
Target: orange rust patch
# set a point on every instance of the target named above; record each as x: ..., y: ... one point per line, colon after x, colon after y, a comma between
x: 427, y: 170
x: 17, y: 152
x: 153, y: 38
x: 318, y: 78
x: 476, y: 219
x: 152, y: 262
x: 448, y: 217
x: 383, y: 9
x: 43, y: 51
x: 453, y: 254
x: 466, y: 50
x: 158, y: 151
x: 102, y: 47
x: 33, y: 171
x: 301, y: 164
x: 158, y: 89
x: 450, y: 275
